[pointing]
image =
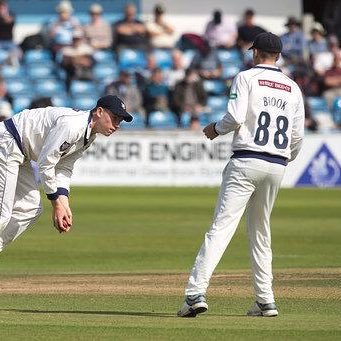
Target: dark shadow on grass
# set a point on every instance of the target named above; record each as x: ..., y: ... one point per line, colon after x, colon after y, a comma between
x: 90, y: 312
x: 113, y: 313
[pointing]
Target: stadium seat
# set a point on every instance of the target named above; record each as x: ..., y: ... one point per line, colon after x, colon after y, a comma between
x: 35, y: 71
x: 336, y: 110
x: 131, y: 59
x: 105, y: 72
x: 104, y: 56
x: 185, y: 120
x: 82, y: 88
x: 21, y: 102
x: 162, y: 120
x: 188, y: 57
x: 230, y: 71
x: 9, y: 71
x: 3, y: 56
x: 84, y: 102
x: 18, y: 86
x: 37, y: 56
x: 163, y: 58
x: 214, y: 116
x: 229, y: 56
x: 317, y: 104
x: 137, y: 123
x: 217, y: 102
x: 61, y: 100
x: 49, y: 87
x: 215, y: 87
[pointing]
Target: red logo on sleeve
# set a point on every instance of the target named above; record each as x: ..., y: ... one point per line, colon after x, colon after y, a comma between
x: 274, y: 85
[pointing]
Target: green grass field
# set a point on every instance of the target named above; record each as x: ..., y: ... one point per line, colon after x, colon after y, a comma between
x: 120, y: 273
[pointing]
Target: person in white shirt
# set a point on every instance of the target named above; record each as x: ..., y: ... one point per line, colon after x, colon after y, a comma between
x: 266, y: 114
x: 55, y: 138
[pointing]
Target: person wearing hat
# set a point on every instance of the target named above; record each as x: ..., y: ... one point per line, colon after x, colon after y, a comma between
x: 266, y: 114
x: 55, y: 138
x: 294, y: 41
x: 98, y: 32
x: 160, y: 32
x: 318, y: 42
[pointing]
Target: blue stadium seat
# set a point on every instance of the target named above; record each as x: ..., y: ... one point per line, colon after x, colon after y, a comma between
x: 103, y: 56
x: 105, y: 72
x: 188, y: 57
x: 162, y: 120
x: 214, y: 116
x: 131, y: 59
x: 185, y: 120
x: 49, y: 87
x: 37, y: 56
x: 82, y: 88
x: 336, y: 110
x: 217, y: 102
x: 230, y: 71
x: 61, y: 100
x: 163, y: 58
x: 84, y: 102
x: 229, y: 56
x: 3, y: 56
x: 9, y: 71
x: 43, y: 70
x: 21, y: 102
x: 317, y: 104
x: 18, y: 86
x: 215, y: 87
x: 136, y: 124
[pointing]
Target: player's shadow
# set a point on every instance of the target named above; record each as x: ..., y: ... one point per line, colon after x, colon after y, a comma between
x: 108, y: 312
x: 90, y: 312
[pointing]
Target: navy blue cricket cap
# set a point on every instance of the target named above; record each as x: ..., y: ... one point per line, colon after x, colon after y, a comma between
x: 267, y: 42
x: 115, y: 106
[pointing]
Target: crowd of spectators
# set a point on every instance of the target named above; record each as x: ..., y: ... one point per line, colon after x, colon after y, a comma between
x: 314, y: 61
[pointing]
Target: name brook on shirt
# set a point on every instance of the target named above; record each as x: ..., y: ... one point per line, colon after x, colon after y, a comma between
x: 274, y: 102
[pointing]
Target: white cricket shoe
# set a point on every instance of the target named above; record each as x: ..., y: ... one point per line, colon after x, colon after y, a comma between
x: 193, y: 305
x: 266, y: 310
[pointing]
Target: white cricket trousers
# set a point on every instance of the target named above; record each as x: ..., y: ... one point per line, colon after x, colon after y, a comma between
x: 20, y: 202
x: 250, y: 184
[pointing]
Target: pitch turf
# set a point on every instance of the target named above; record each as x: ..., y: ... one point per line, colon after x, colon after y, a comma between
x: 119, y: 275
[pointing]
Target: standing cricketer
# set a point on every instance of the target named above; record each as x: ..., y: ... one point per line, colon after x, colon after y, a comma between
x: 55, y: 138
x: 266, y: 114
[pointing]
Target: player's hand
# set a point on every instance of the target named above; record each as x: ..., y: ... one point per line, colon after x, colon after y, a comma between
x: 65, y: 202
x: 60, y: 216
x: 210, y: 132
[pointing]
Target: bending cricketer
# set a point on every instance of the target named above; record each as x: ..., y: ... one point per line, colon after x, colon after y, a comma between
x: 55, y: 138
x: 266, y: 114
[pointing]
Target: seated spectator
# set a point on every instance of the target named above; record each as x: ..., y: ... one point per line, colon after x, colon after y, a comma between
x: 126, y: 91
x: 160, y: 32
x: 207, y: 62
x: 318, y: 43
x: 323, y: 61
x: 130, y: 32
x: 98, y: 31
x: 293, y: 41
x: 156, y: 94
x: 247, y: 30
x: 77, y: 59
x: 221, y: 31
x: 177, y: 72
x: 308, y: 81
x: 143, y: 76
x: 7, y: 22
x: 4, y: 95
x: 5, y: 111
x: 332, y: 80
x: 61, y: 30
x: 189, y: 96
x: 309, y: 123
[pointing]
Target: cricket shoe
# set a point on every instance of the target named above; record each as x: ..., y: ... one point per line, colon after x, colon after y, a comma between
x: 266, y: 310
x: 193, y: 305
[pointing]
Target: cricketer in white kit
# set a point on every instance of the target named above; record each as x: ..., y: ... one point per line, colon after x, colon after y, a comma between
x: 55, y: 138
x: 266, y: 114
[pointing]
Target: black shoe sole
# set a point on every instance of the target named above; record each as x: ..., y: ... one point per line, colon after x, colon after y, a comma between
x: 195, y: 312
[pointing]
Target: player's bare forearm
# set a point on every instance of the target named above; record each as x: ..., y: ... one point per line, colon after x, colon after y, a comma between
x: 210, y: 131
